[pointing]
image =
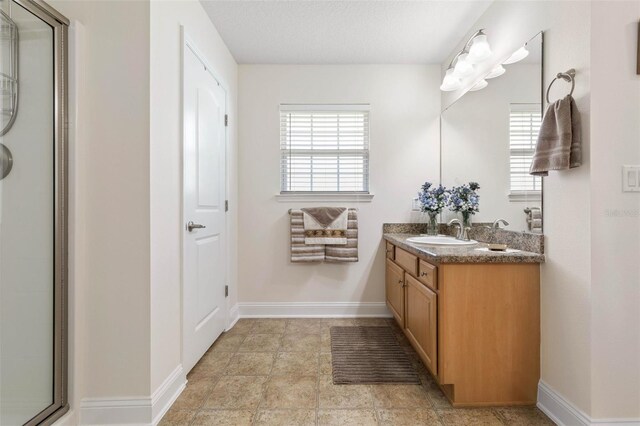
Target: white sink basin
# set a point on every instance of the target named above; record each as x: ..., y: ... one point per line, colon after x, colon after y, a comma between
x: 440, y: 240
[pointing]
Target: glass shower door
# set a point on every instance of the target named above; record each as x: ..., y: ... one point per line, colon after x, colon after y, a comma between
x: 32, y: 234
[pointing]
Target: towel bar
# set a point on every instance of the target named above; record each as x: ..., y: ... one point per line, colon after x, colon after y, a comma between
x: 568, y: 76
x: 348, y: 208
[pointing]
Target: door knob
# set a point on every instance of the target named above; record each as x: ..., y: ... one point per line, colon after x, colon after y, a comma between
x: 191, y: 226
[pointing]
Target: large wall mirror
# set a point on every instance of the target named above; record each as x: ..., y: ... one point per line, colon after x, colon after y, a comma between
x: 488, y: 136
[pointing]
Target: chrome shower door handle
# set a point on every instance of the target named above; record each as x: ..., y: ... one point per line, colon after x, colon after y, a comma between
x: 191, y: 226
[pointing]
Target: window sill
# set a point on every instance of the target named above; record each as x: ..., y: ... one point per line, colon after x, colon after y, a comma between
x: 302, y: 197
x: 525, y: 196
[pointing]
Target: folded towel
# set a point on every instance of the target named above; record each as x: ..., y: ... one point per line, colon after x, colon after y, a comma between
x: 534, y: 219
x: 301, y: 252
x: 331, y: 229
x: 559, y: 145
x: 348, y: 252
x: 325, y: 216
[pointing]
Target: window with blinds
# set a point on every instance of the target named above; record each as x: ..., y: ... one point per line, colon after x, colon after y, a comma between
x: 524, y: 124
x: 324, y: 148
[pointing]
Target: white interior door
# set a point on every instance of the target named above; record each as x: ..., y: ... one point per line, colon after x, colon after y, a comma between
x: 204, y: 308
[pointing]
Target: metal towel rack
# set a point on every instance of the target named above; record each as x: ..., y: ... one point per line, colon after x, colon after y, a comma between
x: 348, y: 208
x: 568, y: 76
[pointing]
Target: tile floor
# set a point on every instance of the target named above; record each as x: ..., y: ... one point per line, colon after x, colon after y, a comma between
x: 278, y: 372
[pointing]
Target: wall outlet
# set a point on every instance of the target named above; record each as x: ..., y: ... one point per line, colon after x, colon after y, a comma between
x: 630, y: 178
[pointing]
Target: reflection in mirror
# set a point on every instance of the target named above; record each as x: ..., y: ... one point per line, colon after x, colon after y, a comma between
x: 489, y: 135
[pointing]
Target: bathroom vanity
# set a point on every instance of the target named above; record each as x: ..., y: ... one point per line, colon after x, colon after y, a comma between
x: 472, y: 316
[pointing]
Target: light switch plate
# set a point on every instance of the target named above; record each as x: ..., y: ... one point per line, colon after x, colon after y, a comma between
x: 630, y: 178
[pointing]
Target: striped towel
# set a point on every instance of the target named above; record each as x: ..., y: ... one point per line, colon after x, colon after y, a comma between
x: 348, y: 252
x: 301, y: 252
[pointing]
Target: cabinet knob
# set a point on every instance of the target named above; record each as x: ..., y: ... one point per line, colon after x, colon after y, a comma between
x: 423, y: 274
x: 401, y: 282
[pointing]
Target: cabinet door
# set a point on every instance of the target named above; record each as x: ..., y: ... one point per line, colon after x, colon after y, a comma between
x: 395, y: 291
x: 421, y: 321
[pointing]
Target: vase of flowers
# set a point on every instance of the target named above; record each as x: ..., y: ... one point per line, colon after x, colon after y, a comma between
x: 465, y: 200
x: 432, y: 201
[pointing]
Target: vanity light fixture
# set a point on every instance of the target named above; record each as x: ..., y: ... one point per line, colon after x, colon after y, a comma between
x: 497, y: 71
x: 463, y: 67
x: 517, y: 56
x: 480, y: 49
x: 475, y: 51
x: 479, y: 85
x: 450, y: 82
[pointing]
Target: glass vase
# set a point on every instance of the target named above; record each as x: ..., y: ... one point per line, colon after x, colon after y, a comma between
x: 432, y: 228
x: 466, y: 219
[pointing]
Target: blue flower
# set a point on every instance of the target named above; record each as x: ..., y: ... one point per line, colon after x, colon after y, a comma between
x: 464, y: 198
x: 432, y: 199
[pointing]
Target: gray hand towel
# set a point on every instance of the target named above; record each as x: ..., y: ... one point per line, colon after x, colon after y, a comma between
x: 325, y: 216
x: 559, y: 144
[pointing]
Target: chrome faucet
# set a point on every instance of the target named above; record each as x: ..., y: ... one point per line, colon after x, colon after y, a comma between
x: 463, y: 231
x: 496, y: 223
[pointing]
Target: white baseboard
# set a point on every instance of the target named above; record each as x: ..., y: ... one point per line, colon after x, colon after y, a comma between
x: 561, y: 411
x: 564, y: 413
x: 312, y: 310
x: 234, y: 316
x: 138, y: 411
x: 167, y: 393
x: 115, y: 411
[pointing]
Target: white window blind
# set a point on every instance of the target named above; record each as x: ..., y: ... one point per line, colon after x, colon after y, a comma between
x: 524, y: 125
x: 324, y: 148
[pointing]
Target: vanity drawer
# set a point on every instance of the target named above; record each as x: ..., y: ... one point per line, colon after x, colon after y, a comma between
x: 390, y: 251
x: 428, y: 274
x: 407, y: 261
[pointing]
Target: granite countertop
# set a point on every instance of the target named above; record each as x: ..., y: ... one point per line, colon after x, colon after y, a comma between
x: 465, y: 254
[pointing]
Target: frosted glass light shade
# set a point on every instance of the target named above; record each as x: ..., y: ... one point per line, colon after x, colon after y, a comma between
x: 479, y: 50
x: 463, y: 67
x: 517, y: 56
x: 450, y: 82
x: 479, y: 85
x: 497, y: 71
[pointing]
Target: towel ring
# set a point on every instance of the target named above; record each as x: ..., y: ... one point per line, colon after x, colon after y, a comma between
x: 568, y: 76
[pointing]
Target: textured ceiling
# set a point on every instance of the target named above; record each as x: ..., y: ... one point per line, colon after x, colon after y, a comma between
x: 342, y: 32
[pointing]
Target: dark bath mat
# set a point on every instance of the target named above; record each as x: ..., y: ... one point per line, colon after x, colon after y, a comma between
x: 369, y: 355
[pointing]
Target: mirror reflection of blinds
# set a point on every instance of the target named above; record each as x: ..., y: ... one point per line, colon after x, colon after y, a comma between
x: 524, y: 125
x: 324, y: 150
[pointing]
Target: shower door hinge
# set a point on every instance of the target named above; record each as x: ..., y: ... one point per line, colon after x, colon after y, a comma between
x: 226, y: 205
x: 226, y: 120
x: 226, y: 291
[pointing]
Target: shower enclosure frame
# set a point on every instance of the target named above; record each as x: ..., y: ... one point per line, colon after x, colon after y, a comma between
x: 59, y: 25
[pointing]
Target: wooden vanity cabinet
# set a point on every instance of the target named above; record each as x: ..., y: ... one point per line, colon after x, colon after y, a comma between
x: 390, y: 251
x: 394, y: 283
x: 406, y: 261
x: 476, y: 327
x: 421, y: 321
x: 428, y: 274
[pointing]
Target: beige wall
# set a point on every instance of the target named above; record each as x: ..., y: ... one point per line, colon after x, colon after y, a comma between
x: 405, y: 106
x: 112, y: 196
x: 166, y: 168
x: 615, y: 216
